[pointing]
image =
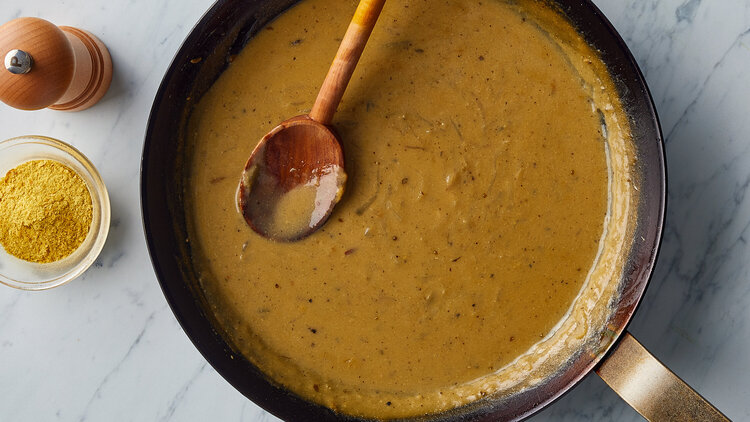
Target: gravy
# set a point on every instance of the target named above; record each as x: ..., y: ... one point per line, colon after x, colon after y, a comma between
x: 481, y: 225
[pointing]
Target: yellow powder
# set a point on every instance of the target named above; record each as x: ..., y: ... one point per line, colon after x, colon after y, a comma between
x: 45, y: 211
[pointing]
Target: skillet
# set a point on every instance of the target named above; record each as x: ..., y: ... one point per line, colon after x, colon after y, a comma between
x: 216, y: 39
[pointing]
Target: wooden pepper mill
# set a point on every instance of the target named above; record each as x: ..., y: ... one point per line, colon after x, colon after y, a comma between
x: 61, y: 68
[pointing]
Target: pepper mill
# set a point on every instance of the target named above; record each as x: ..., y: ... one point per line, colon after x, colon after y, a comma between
x: 61, y: 68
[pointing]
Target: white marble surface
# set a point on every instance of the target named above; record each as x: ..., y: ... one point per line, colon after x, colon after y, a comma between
x: 106, y: 347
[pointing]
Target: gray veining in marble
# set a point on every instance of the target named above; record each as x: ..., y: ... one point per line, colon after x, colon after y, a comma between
x: 106, y: 347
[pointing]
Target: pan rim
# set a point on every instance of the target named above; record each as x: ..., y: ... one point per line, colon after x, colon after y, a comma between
x: 287, y: 405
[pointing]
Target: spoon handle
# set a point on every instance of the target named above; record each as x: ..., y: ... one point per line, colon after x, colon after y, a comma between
x: 346, y: 60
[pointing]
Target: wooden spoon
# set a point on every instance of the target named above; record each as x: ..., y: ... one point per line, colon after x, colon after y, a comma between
x: 295, y: 175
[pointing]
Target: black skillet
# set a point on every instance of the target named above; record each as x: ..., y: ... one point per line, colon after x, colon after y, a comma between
x: 218, y: 36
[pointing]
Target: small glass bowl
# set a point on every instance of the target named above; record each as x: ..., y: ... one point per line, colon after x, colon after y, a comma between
x: 26, y: 275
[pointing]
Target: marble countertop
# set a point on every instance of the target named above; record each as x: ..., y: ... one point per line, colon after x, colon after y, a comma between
x: 106, y: 347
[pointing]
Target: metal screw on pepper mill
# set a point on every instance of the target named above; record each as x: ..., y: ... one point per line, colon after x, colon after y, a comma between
x: 61, y: 68
x: 18, y: 62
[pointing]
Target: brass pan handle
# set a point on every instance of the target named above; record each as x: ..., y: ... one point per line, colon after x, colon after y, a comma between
x: 651, y: 388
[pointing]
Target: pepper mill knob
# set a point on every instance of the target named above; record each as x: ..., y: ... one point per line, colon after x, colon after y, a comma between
x: 62, y: 68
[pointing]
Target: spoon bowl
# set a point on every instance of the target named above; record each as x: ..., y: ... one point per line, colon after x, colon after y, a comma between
x: 292, y: 180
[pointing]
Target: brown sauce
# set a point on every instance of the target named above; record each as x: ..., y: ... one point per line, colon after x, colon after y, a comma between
x: 481, y: 224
